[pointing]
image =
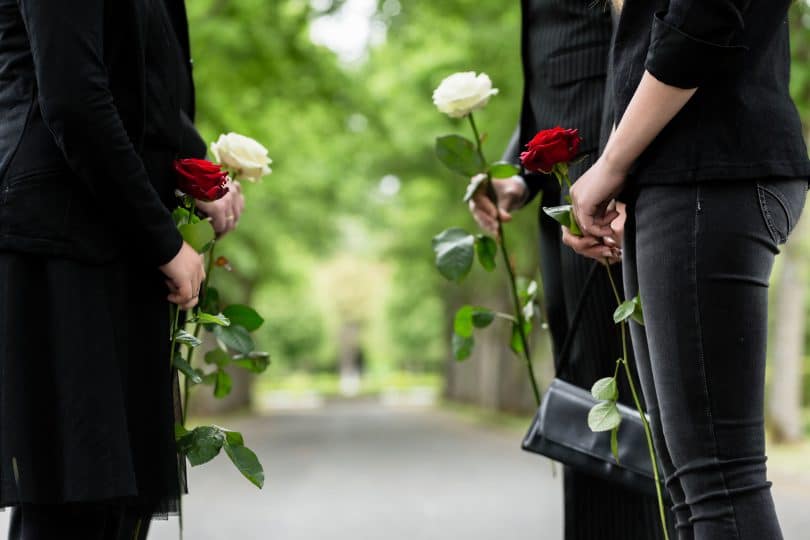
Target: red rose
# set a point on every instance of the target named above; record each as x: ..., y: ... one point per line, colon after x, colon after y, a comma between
x: 550, y: 147
x: 201, y: 179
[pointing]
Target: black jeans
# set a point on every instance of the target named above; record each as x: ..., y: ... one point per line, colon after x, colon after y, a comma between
x: 701, y: 256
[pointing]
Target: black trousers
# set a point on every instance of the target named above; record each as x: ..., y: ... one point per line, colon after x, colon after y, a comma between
x: 79, y: 521
x: 701, y: 256
x: 586, y: 344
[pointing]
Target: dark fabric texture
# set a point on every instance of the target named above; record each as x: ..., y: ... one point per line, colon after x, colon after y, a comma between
x: 87, y: 409
x: 742, y: 122
x: 79, y: 522
x: 565, y: 60
x: 701, y: 255
x: 72, y: 108
x: 565, y: 46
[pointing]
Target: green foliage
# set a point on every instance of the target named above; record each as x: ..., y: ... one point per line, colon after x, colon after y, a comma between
x: 198, y: 235
x: 204, y: 443
x: 459, y: 155
x: 455, y: 249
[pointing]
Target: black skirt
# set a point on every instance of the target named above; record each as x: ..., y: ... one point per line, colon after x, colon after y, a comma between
x: 86, y: 389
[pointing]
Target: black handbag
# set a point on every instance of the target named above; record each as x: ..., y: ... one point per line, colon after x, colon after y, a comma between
x: 560, y: 430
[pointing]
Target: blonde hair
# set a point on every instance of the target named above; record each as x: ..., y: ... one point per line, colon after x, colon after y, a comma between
x: 617, y: 4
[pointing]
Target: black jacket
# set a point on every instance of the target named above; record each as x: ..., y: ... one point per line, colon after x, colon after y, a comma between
x: 72, y: 182
x: 741, y: 123
x: 565, y: 47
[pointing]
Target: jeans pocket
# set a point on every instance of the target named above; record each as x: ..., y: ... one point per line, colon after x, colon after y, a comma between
x: 781, y: 202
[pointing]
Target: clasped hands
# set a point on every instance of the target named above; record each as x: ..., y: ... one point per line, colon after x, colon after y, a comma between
x: 185, y: 273
x: 600, y: 217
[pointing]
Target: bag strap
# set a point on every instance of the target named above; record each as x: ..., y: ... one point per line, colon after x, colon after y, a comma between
x: 562, y: 358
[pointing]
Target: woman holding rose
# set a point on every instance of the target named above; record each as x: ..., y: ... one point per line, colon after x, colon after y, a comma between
x: 709, y: 156
x: 97, y: 103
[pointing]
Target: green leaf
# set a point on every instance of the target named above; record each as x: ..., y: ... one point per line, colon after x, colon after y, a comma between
x: 564, y: 216
x: 207, y: 318
x: 638, y: 312
x: 469, y: 317
x: 624, y: 311
x: 202, y: 444
x: 246, y: 463
x: 459, y: 155
x: 234, y: 438
x: 482, y: 317
x: 487, y: 250
x: 185, y: 368
x: 255, y: 362
x: 223, y: 385
x: 235, y: 337
x: 473, y: 186
x: 503, y: 169
x: 605, y: 389
x: 454, y: 250
x: 614, y: 443
x: 180, y: 216
x: 181, y: 336
x: 604, y: 416
x: 462, y: 347
x: 244, y: 316
x: 199, y: 235
x: 217, y: 357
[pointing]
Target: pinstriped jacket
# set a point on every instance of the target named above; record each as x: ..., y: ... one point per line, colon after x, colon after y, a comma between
x: 565, y: 48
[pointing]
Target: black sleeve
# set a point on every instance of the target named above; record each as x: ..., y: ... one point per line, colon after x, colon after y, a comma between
x: 66, y: 41
x: 192, y: 145
x: 535, y: 183
x: 692, y: 38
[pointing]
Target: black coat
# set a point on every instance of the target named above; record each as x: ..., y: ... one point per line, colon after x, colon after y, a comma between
x: 72, y: 181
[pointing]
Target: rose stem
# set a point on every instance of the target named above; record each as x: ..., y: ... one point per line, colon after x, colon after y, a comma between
x: 637, y: 401
x: 507, y: 262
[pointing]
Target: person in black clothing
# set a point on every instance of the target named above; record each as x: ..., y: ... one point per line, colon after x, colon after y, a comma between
x: 708, y: 153
x: 97, y: 102
x: 565, y: 47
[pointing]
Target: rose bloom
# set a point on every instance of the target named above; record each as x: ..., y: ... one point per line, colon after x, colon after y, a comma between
x: 550, y: 147
x: 462, y: 93
x: 245, y: 156
x: 201, y: 179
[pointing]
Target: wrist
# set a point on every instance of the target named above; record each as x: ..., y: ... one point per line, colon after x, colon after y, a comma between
x: 522, y: 192
x: 616, y: 161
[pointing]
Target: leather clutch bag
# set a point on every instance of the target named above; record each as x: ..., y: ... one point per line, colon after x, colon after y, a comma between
x: 560, y: 431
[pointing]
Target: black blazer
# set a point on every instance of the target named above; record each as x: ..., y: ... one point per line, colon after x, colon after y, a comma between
x: 72, y: 182
x: 741, y: 123
x: 565, y: 46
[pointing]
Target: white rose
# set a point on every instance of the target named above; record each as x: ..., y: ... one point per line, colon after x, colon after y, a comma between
x: 462, y: 93
x: 244, y: 156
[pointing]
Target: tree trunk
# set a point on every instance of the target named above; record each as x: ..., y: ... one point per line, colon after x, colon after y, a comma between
x: 785, y: 403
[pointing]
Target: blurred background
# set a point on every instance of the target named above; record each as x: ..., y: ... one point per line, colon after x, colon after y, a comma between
x: 366, y: 426
x: 334, y: 250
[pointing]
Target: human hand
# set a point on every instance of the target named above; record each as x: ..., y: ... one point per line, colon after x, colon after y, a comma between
x: 225, y: 212
x: 591, y: 197
x: 510, y: 191
x: 185, y: 274
x: 606, y: 249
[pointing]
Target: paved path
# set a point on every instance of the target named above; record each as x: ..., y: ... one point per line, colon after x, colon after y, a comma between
x: 363, y: 472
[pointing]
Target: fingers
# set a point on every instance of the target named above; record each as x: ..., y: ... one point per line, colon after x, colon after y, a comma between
x: 484, y: 213
x: 185, y: 292
x: 591, y: 247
